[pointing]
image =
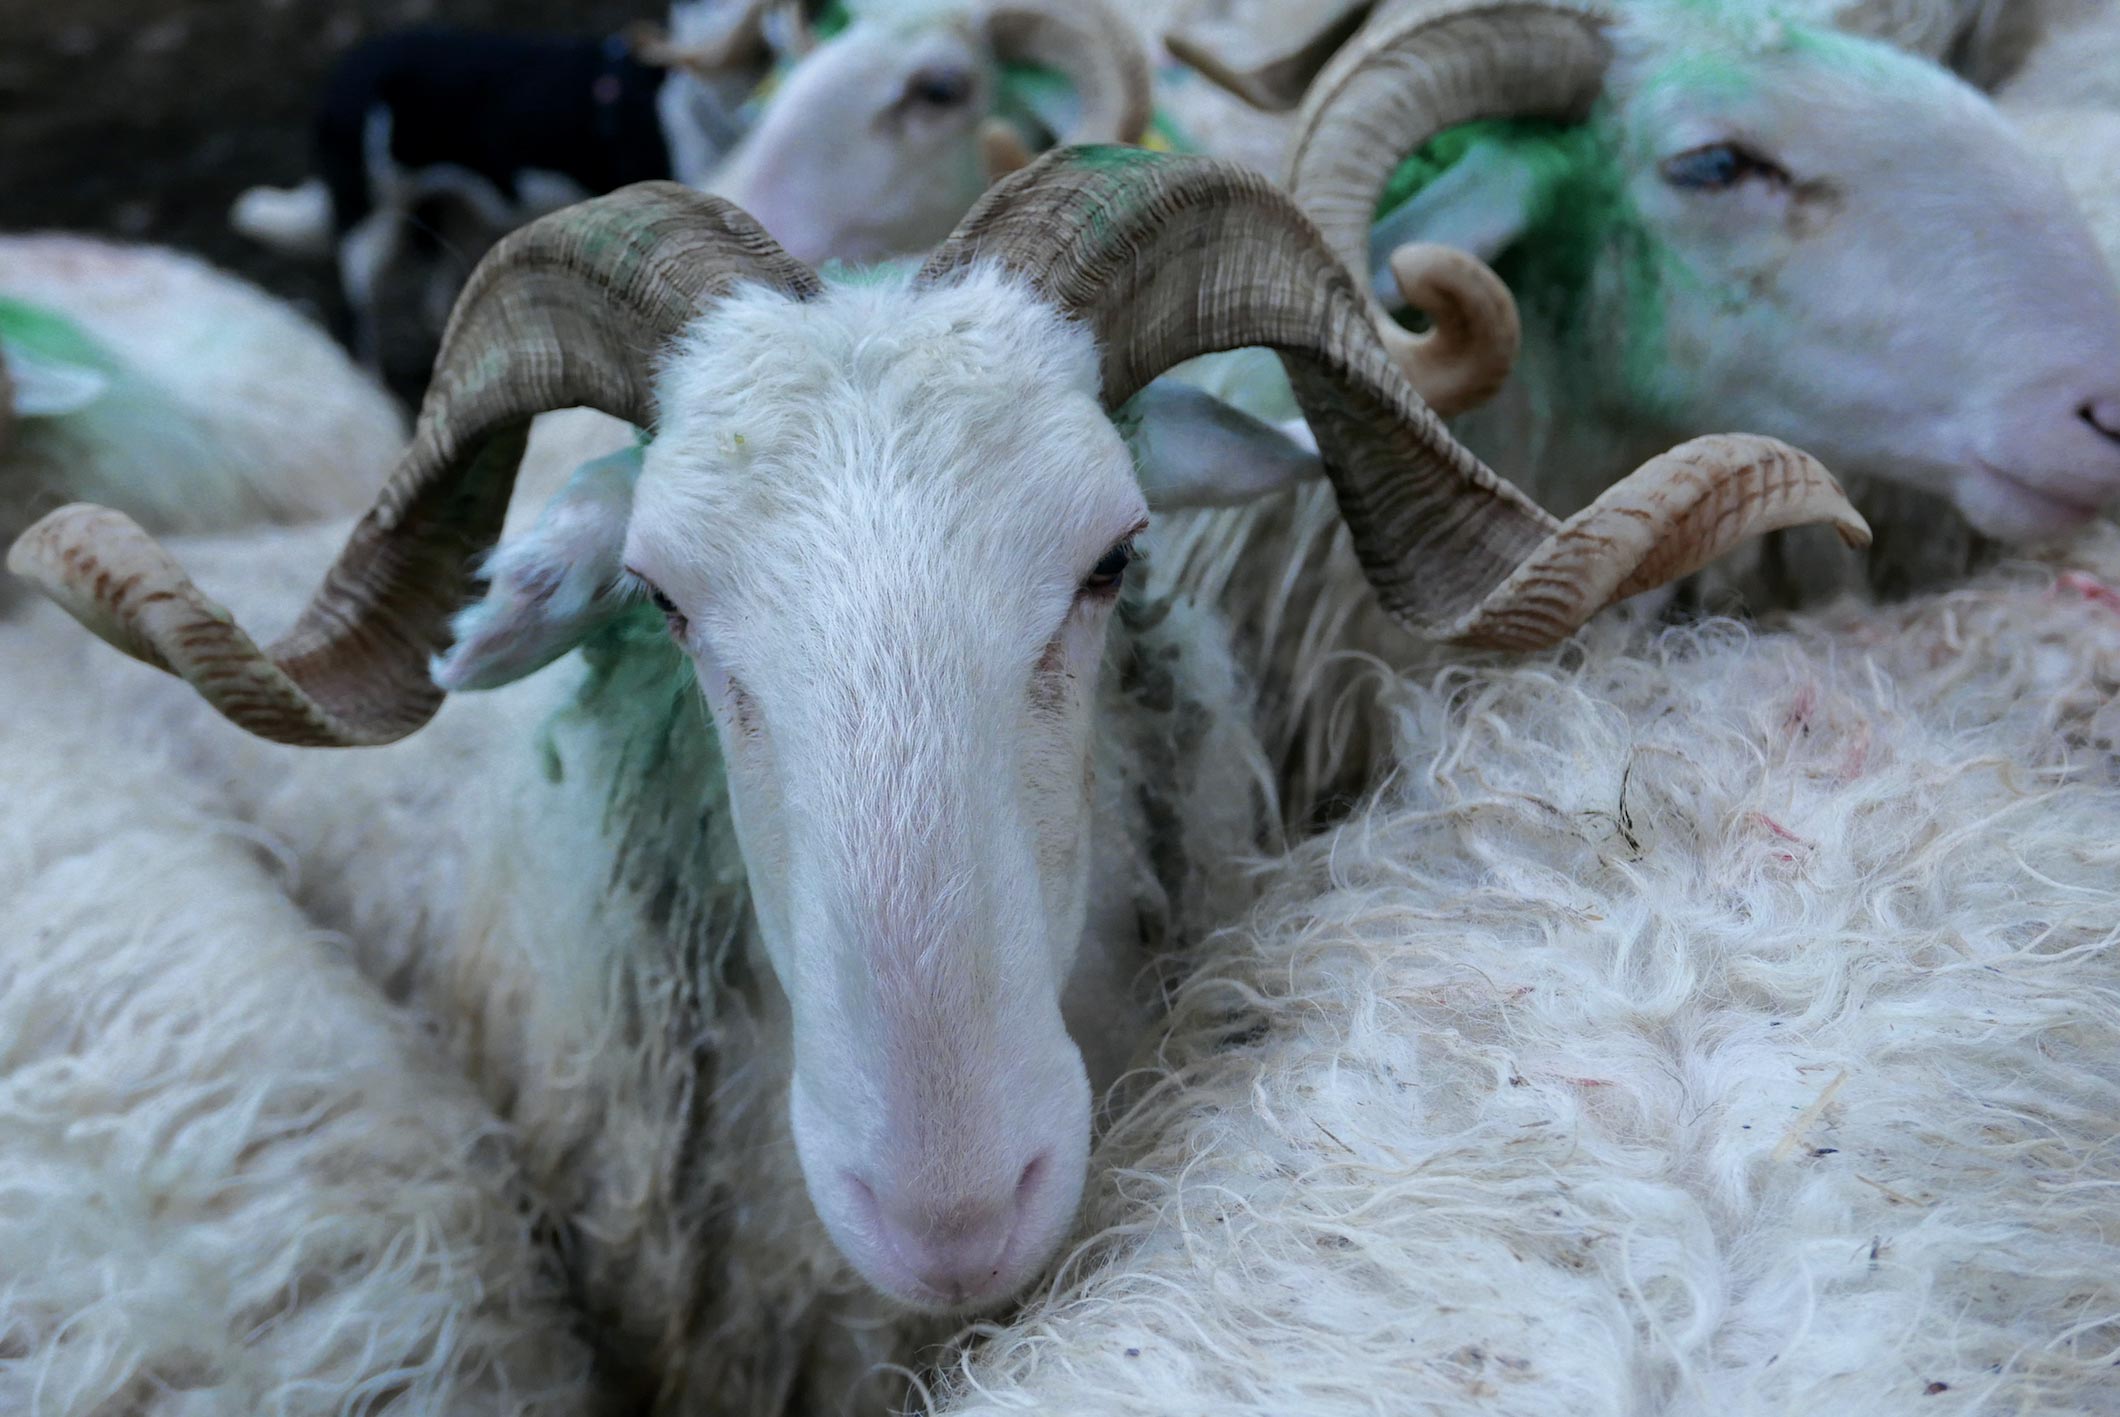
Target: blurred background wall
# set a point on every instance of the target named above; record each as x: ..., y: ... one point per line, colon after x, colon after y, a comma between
x: 145, y: 118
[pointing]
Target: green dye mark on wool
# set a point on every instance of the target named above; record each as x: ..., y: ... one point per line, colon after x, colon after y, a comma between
x: 638, y: 732
x: 640, y: 684
x: 46, y: 332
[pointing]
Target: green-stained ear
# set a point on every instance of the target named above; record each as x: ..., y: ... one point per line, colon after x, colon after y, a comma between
x: 1481, y: 188
x: 53, y: 367
x: 43, y: 387
x: 1191, y: 449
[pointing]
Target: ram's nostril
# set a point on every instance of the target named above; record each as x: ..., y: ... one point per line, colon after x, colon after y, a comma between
x: 2103, y: 415
x: 1027, y: 1183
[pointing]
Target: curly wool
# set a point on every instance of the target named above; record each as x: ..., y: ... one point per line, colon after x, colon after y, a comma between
x: 232, y: 1178
x: 1701, y: 1022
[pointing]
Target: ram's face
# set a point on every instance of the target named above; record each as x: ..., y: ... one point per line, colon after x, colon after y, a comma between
x: 869, y: 148
x: 892, y: 554
x: 1849, y: 249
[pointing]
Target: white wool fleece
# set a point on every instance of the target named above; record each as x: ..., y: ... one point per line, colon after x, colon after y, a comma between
x: 233, y: 1179
x: 1713, y: 1023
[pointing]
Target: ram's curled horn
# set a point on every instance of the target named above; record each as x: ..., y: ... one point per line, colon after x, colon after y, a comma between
x: 1166, y: 258
x: 1415, y: 69
x: 568, y: 311
x: 1265, y: 52
x: 1095, y: 47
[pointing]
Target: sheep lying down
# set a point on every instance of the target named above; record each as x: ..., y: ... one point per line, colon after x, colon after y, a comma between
x: 233, y: 1179
x: 1704, y: 1022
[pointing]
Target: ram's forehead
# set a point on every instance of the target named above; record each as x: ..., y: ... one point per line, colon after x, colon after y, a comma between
x: 761, y: 361
x: 1753, y: 61
x: 976, y: 399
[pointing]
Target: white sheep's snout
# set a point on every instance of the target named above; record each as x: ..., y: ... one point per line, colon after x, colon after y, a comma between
x: 2053, y: 465
x: 955, y: 1202
x: 952, y: 1251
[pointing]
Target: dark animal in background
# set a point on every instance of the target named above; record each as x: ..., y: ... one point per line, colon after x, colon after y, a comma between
x: 427, y: 127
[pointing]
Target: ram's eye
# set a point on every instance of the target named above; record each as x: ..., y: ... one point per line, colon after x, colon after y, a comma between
x: 1717, y: 167
x: 1104, y: 577
x: 942, y: 87
x: 662, y: 602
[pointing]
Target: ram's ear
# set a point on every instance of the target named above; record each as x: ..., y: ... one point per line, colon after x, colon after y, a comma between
x: 44, y: 387
x: 1483, y: 203
x: 1193, y: 450
x: 551, y: 588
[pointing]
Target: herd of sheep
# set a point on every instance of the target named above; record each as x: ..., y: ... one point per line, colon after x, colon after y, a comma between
x: 1244, y: 706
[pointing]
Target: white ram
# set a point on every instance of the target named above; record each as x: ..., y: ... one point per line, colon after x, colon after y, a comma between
x: 834, y: 1013
x: 188, y: 398
x: 1705, y: 1022
x: 1712, y: 214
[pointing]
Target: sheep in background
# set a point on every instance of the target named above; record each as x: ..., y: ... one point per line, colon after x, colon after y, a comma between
x: 1691, y: 249
x: 149, y: 380
x: 236, y: 1180
x: 2065, y: 98
x: 2070, y: 56
x: 1697, y: 1022
x: 872, y: 144
x: 880, y: 138
x: 1716, y: 243
x: 804, y: 1045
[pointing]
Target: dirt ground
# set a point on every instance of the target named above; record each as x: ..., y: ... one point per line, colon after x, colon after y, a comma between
x: 144, y: 118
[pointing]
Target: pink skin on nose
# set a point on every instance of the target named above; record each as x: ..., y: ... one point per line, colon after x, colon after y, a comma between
x: 953, y: 1254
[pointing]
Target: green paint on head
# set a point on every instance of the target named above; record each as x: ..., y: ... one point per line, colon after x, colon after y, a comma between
x: 1576, y: 203
x: 1580, y: 227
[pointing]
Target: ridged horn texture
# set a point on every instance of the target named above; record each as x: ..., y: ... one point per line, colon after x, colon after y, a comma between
x: 1166, y: 258
x: 1096, y: 47
x: 1415, y: 69
x: 570, y: 310
x: 1265, y: 52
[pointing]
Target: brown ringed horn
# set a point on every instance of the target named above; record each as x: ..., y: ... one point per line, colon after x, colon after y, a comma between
x: 1416, y: 68
x: 568, y: 311
x: 1265, y: 52
x: 1098, y: 50
x: 1166, y: 258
